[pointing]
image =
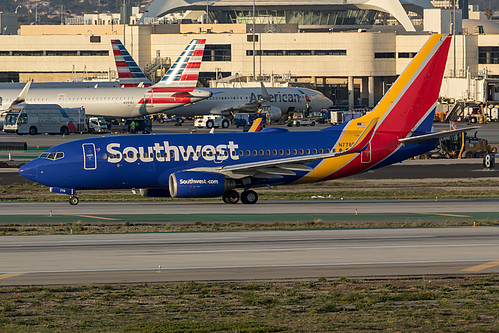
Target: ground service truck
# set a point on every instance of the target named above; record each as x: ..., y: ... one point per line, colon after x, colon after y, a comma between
x: 44, y: 118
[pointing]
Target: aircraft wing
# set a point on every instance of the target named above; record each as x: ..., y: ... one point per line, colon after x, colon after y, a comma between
x: 279, y: 167
x: 433, y: 136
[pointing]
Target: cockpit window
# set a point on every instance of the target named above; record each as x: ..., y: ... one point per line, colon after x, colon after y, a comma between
x: 52, y: 156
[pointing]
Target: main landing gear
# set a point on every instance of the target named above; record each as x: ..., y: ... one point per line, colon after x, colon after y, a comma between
x: 247, y: 197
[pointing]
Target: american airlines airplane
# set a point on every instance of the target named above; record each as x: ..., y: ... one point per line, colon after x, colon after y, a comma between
x: 231, y: 165
x: 176, y: 88
x: 226, y: 100
x: 232, y: 100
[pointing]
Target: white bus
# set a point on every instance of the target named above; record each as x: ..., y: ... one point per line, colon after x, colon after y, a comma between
x: 44, y: 118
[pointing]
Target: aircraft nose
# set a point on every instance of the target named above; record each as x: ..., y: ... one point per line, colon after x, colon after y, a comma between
x: 323, y: 101
x: 30, y: 170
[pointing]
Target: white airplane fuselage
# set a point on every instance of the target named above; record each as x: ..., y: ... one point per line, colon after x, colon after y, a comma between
x: 226, y: 100
x: 110, y: 102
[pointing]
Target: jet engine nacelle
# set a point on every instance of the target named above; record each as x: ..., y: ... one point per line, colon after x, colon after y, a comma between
x: 274, y: 113
x: 155, y: 192
x: 195, y: 184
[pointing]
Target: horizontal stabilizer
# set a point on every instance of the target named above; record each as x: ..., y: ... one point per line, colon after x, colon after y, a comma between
x: 434, y: 136
x: 181, y: 94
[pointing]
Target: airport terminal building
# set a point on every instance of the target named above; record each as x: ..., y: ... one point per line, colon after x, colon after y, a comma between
x: 337, y: 46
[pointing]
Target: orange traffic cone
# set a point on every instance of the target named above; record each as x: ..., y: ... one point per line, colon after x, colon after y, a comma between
x: 10, y: 156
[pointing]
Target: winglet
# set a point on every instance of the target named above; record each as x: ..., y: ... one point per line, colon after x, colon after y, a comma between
x: 364, y: 138
x: 265, y: 93
x: 257, y: 125
x: 22, y: 95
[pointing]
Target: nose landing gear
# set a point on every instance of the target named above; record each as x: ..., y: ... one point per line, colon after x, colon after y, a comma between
x: 74, y: 200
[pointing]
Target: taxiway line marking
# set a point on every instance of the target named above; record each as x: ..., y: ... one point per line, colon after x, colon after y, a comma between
x: 453, y: 215
x: 97, y: 217
x: 9, y: 275
x: 481, y: 267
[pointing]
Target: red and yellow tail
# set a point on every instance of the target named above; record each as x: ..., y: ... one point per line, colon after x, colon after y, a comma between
x: 413, y: 96
x: 406, y: 109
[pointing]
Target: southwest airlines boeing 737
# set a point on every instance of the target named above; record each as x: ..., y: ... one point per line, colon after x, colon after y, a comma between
x: 201, y: 165
x: 176, y: 88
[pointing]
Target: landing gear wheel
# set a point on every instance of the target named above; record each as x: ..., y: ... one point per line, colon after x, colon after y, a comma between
x: 249, y: 197
x: 73, y: 200
x: 230, y: 197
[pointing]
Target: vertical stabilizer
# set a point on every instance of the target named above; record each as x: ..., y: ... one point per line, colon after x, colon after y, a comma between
x: 184, y: 72
x: 410, y: 103
x: 129, y: 73
x: 407, y: 109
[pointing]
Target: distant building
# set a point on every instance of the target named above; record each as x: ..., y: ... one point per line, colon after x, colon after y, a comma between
x: 337, y: 15
x: 131, y: 15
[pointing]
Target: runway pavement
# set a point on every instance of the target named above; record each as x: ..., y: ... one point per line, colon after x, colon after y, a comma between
x: 77, y: 259
x: 262, y: 255
x: 263, y: 207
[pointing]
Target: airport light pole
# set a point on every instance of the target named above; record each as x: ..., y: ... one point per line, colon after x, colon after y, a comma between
x: 454, y: 39
x: 254, y: 71
x: 207, y: 12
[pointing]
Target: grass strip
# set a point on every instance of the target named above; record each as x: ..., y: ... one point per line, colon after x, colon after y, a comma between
x: 80, y: 227
x: 423, y: 304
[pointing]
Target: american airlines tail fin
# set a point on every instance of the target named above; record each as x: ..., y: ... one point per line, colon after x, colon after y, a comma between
x: 183, y: 74
x: 129, y: 73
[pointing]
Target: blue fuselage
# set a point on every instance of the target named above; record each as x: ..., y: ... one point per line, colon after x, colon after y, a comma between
x: 146, y: 161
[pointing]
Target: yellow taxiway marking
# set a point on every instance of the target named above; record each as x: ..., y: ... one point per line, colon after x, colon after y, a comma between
x: 9, y: 275
x: 453, y: 215
x: 97, y: 217
x: 481, y: 267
